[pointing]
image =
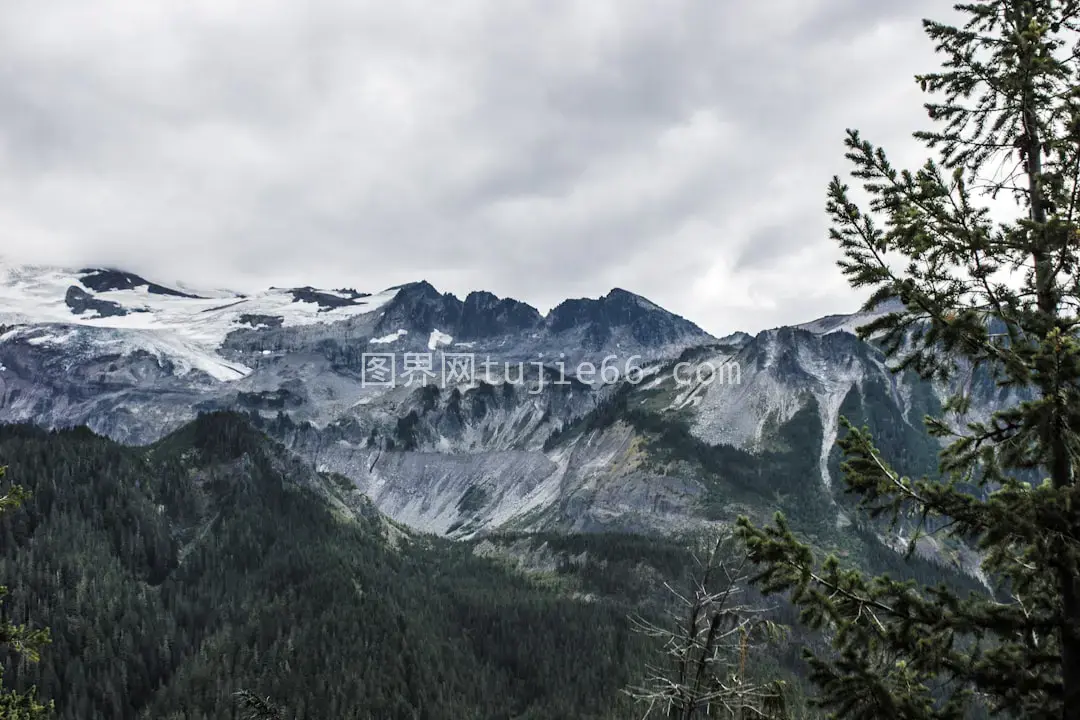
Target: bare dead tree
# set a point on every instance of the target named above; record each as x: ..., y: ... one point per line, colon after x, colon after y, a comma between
x: 706, y: 645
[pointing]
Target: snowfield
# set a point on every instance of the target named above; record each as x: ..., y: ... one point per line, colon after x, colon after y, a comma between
x: 188, y: 331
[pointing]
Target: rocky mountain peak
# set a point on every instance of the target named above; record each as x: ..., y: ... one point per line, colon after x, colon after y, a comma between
x: 419, y: 307
x: 620, y: 309
x: 484, y: 314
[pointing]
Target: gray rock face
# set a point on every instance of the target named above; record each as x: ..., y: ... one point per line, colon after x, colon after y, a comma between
x: 81, y: 302
x: 483, y: 315
x: 104, y: 280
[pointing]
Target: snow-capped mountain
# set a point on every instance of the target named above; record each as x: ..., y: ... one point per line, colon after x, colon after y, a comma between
x: 603, y: 413
x: 111, y: 349
x: 126, y: 313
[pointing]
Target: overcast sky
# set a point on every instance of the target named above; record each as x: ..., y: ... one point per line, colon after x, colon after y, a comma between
x: 540, y: 149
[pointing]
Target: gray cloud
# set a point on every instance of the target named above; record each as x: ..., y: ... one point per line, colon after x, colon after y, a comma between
x: 679, y: 148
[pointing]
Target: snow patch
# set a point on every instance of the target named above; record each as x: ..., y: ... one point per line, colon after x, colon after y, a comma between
x: 386, y: 339
x: 846, y: 323
x: 438, y: 338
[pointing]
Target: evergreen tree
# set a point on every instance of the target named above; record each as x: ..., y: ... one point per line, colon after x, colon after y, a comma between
x: 22, y: 641
x: 974, y: 296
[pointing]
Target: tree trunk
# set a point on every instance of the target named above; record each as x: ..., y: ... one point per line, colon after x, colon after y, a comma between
x: 1060, y: 464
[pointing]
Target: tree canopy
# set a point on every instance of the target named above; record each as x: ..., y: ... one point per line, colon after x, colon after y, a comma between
x: 971, y: 295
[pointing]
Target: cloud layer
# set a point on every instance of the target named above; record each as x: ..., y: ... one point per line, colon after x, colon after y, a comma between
x: 678, y: 148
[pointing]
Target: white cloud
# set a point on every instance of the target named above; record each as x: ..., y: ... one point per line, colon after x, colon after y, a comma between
x: 679, y: 148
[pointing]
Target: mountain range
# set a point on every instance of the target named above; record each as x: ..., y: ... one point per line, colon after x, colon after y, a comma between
x: 488, y: 416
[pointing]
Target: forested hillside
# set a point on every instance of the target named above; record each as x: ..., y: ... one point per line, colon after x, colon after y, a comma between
x: 213, y: 561
x: 174, y: 576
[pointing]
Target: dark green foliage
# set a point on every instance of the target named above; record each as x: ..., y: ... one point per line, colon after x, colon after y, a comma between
x: 902, y: 438
x: 786, y: 476
x: 19, y: 642
x: 628, y: 570
x: 638, y: 573
x: 606, y: 413
x: 988, y: 308
x: 174, y: 576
